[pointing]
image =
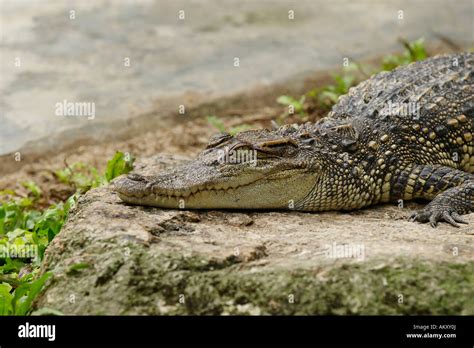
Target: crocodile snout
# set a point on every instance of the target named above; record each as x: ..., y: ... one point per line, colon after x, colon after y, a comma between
x: 133, y: 185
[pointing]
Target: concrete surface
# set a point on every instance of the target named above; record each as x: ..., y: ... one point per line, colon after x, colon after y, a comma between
x: 48, y: 57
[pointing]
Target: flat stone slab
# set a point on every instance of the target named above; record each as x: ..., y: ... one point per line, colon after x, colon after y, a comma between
x: 144, y: 260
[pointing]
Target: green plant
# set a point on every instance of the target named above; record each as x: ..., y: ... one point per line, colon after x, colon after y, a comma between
x: 328, y: 95
x: 25, y: 232
x: 414, y: 51
x: 219, y: 125
x: 80, y: 176
x: 20, y: 300
x: 295, y: 106
x: 24, y: 236
x: 33, y: 188
x: 83, y: 177
x: 121, y: 163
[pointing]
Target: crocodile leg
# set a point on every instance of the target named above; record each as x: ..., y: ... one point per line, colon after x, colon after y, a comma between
x: 451, y: 192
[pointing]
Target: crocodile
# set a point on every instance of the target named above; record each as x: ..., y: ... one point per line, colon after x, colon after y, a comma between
x: 400, y: 135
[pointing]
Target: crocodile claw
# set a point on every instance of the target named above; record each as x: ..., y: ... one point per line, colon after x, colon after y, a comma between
x: 433, y: 215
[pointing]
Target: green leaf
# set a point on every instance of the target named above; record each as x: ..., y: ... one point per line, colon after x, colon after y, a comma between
x: 120, y: 164
x: 7, y: 193
x: 10, y: 280
x: 81, y: 176
x: 34, y: 289
x: 71, y: 202
x: 25, y: 202
x: 390, y: 62
x: 63, y: 175
x: 30, y: 219
x: 41, y: 250
x: 34, y: 189
x: 5, y: 299
x: 12, y: 265
x: 416, y: 50
x: 18, y: 294
x: 297, y: 104
x: 286, y: 100
x: 15, y: 234
x: 329, y: 95
x: 50, y: 223
x: 216, y: 123
x: 74, y: 269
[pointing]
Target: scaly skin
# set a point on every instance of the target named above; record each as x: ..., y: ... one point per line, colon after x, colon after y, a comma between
x: 400, y: 135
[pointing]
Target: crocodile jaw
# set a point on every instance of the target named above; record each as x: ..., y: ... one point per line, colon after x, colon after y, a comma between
x: 198, y: 186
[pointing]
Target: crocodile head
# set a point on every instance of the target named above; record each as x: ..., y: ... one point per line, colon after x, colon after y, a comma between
x: 252, y: 170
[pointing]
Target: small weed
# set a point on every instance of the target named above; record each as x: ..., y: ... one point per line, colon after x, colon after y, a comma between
x: 120, y: 164
x: 295, y: 106
x: 80, y: 176
x: 414, y: 51
x: 219, y: 125
x: 328, y: 95
x: 33, y: 188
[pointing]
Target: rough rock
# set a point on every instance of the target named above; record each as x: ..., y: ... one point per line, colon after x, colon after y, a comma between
x: 143, y: 260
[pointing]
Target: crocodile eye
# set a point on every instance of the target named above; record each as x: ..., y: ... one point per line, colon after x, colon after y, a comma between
x: 218, y: 139
x: 278, y: 143
x: 278, y: 147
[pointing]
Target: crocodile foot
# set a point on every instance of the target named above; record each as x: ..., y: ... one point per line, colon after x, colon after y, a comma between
x: 435, y: 213
x: 448, y: 206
